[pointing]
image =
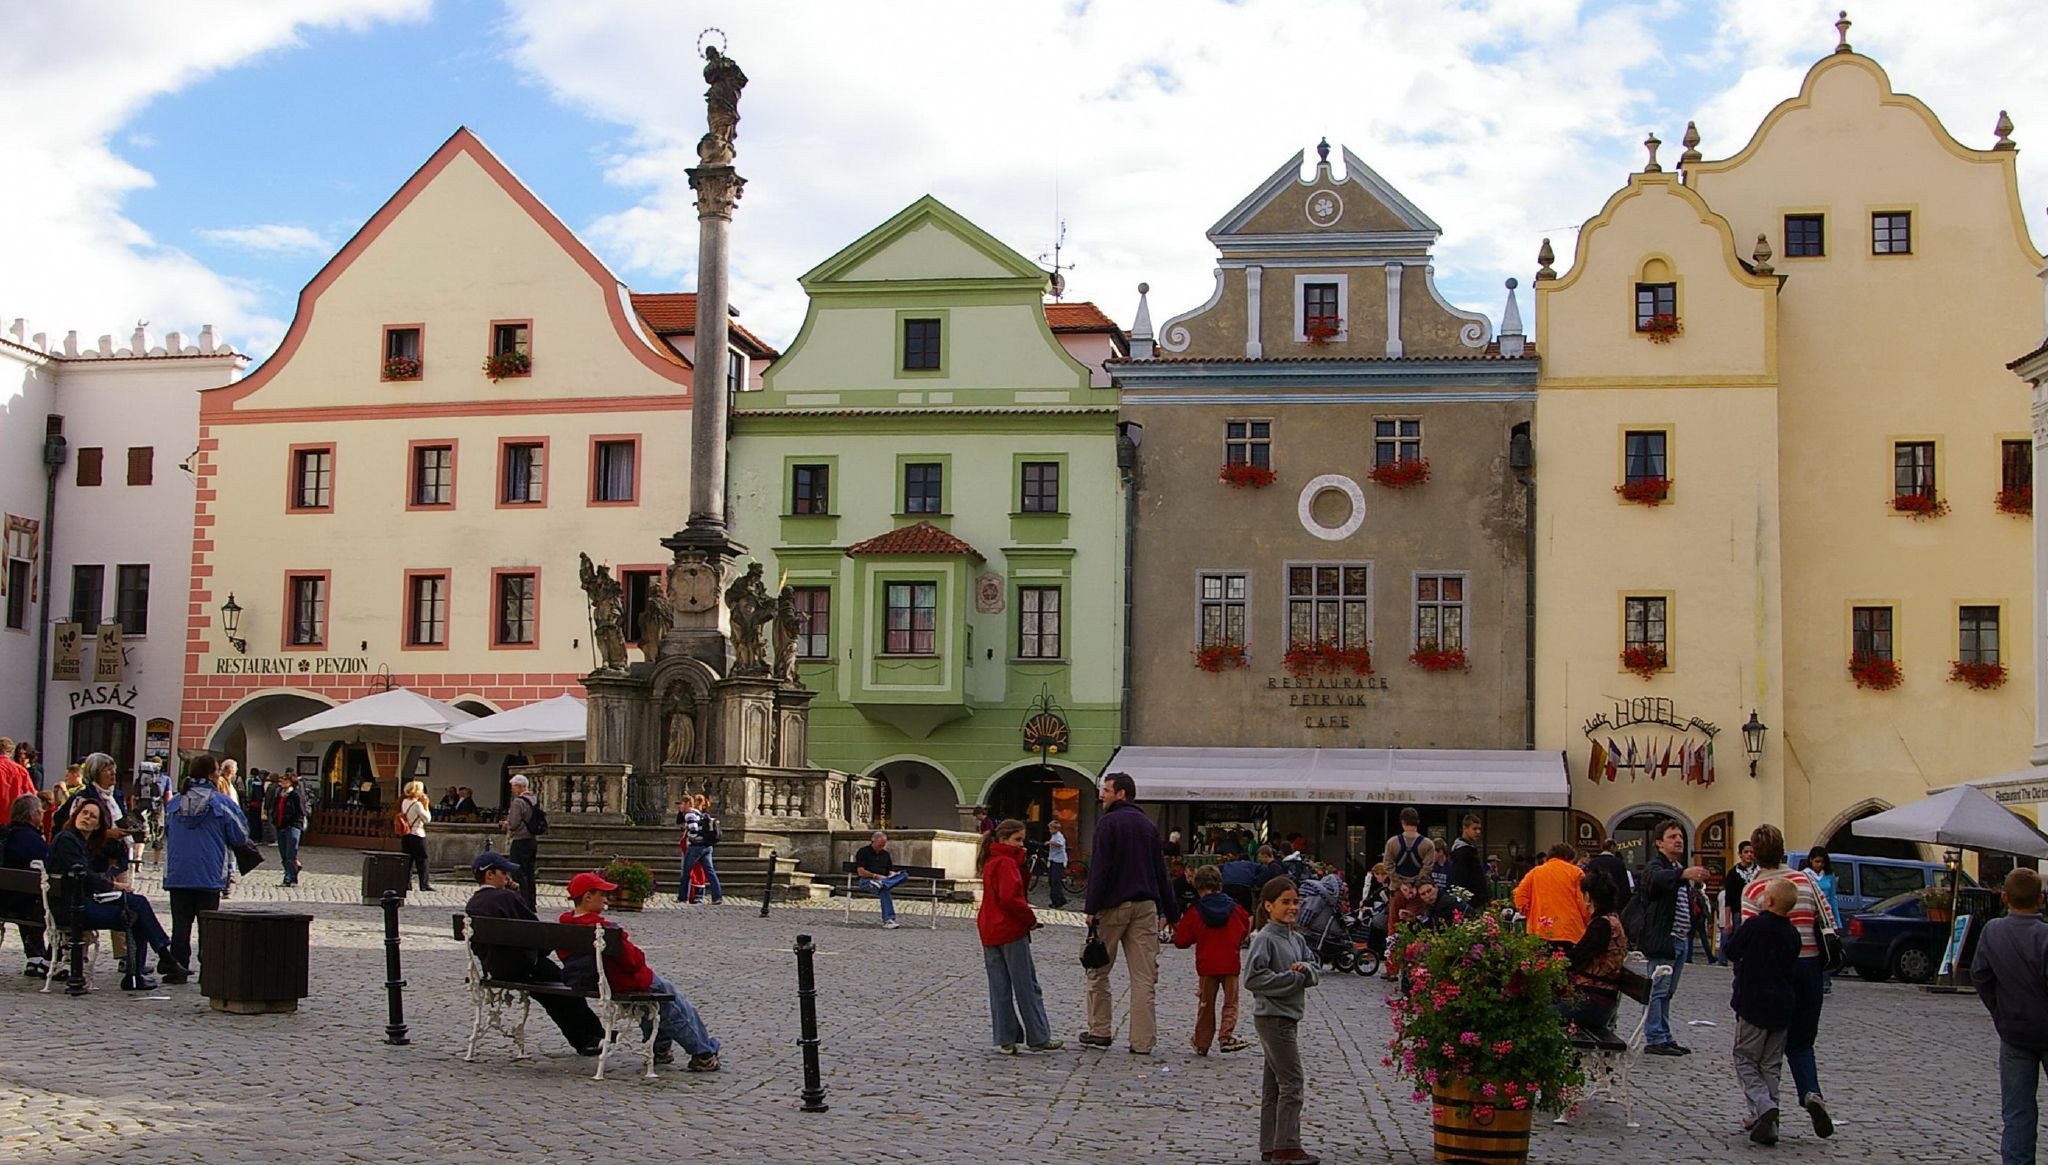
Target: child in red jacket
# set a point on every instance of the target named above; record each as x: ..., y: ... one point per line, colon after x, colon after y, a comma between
x: 1216, y: 928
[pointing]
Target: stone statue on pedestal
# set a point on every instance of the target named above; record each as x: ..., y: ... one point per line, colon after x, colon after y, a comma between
x: 655, y: 622
x: 789, y: 625
x: 607, y: 614
x: 682, y: 730
x: 722, y: 104
x: 749, y: 608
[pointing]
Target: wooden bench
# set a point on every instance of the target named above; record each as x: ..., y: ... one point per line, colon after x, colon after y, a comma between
x: 633, y: 1018
x: 931, y: 875
x: 29, y: 883
x: 1609, y: 1061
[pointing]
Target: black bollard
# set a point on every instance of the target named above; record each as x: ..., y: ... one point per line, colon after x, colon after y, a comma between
x: 74, y: 898
x: 394, y: 983
x: 807, y: 1017
x: 768, y: 887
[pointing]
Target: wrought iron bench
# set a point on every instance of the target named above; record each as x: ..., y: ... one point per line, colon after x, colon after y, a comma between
x: 1608, y: 1061
x: 631, y: 1018
x: 930, y: 875
x: 17, y: 887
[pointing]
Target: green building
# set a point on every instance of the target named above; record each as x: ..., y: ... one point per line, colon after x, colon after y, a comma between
x: 933, y: 466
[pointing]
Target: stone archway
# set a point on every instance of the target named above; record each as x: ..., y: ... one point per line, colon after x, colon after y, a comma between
x: 916, y: 794
x: 1836, y: 836
x: 1630, y: 830
x: 1043, y: 796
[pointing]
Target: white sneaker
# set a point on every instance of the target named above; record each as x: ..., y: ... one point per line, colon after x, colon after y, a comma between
x: 890, y: 924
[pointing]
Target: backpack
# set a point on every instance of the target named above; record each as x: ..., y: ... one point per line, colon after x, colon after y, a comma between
x: 1406, y: 863
x: 707, y: 829
x: 399, y: 825
x: 536, y: 821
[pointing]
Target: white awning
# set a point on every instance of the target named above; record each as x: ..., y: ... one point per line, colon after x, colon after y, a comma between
x: 1422, y: 776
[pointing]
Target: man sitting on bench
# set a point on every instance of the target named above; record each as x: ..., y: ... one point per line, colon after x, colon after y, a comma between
x: 626, y: 967
x: 498, y: 897
x: 878, y: 875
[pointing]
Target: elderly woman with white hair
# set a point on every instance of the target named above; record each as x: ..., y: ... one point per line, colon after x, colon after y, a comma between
x: 524, y: 821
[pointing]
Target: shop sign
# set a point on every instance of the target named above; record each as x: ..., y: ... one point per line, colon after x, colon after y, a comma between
x: 286, y: 665
x: 69, y: 663
x: 106, y: 655
x: 156, y: 740
x: 1326, y: 696
x: 103, y: 695
x: 1652, y: 710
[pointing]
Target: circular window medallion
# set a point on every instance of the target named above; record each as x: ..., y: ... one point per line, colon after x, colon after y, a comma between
x: 1324, y: 208
x: 1338, y: 483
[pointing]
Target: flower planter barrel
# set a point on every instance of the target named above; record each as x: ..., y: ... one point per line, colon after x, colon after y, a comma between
x: 252, y: 962
x: 1501, y: 1137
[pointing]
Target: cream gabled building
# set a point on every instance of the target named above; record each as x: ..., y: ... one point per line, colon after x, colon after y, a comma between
x: 386, y: 511
x: 1804, y: 341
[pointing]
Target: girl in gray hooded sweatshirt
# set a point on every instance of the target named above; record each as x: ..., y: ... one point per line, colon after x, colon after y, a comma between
x: 1278, y: 972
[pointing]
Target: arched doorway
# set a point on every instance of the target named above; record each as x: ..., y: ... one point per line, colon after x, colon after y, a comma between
x: 1838, y: 839
x: 1631, y: 831
x: 1042, y: 796
x: 248, y: 733
x: 108, y: 731
x: 916, y: 794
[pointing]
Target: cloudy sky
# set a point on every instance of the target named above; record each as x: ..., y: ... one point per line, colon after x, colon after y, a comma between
x: 194, y: 161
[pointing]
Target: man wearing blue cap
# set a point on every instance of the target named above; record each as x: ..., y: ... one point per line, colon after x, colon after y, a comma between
x: 499, y: 897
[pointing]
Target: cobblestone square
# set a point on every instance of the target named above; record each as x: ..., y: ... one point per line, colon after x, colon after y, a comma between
x: 159, y: 1077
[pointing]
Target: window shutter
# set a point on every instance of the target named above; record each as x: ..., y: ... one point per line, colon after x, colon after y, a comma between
x: 141, y: 465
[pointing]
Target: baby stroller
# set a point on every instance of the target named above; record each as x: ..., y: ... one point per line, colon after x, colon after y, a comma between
x: 1325, y: 923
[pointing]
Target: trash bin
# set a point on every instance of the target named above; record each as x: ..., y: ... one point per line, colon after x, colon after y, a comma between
x: 383, y: 870
x: 254, y: 962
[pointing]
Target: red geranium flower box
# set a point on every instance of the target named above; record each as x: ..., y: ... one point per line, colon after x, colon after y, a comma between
x: 1875, y: 673
x: 1920, y: 506
x: 1661, y: 327
x: 1981, y: 677
x: 1320, y: 330
x: 508, y: 363
x: 1429, y: 657
x: 2019, y: 501
x: 1238, y: 475
x: 1646, y: 661
x: 1645, y: 491
x: 1303, y: 658
x: 402, y: 368
x: 1219, y: 657
x: 1402, y: 473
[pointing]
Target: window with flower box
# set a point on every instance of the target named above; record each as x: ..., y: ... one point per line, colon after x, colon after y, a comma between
x: 1644, y: 619
x: 2016, y: 466
x: 1913, y: 469
x: 1440, y: 612
x: 1222, y: 608
x: 910, y: 618
x: 1655, y: 299
x: 1977, y: 635
x: 1320, y: 313
x: 1396, y: 439
x: 1248, y: 443
x: 1643, y: 457
x: 1329, y: 602
x: 404, y: 352
x: 1870, y: 632
x: 1805, y: 235
x: 1891, y: 232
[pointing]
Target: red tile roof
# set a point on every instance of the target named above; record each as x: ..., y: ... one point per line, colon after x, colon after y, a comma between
x: 672, y: 313
x: 920, y: 538
x: 1078, y: 317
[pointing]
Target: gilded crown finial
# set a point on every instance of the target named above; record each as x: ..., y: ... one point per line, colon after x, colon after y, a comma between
x: 2004, y: 131
x: 1544, y: 258
x: 1692, y: 144
x: 1651, y: 143
x: 1760, y: 258
x: 1842, y: 32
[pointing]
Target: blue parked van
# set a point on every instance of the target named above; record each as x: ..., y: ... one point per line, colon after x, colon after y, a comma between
x: 1862, y: 882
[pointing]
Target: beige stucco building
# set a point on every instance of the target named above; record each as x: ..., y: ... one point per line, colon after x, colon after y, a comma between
x: 386, y: 510
x: 1795, y: 352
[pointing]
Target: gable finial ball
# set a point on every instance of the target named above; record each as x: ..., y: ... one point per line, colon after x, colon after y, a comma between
x: 1842, y: 32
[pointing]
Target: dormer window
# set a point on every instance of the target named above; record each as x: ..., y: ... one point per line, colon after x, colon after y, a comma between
x: 1653, y: 300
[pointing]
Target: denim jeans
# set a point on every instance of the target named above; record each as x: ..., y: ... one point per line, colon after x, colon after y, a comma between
x: 288, y: 853
x: 2019, y: 1074
x: 881, y: 889
x: 133, y: 916
x: 1657, y: 1028
x: 680, y: 1023
x: 1016, y: 1007
x: 692, y: 857
x: 1056, y: 873
x: 1806, y: 1004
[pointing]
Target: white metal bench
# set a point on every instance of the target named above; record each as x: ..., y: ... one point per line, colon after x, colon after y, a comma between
x: 1608, y: 1063
x: 930, y: 875
x: 631, y: 1019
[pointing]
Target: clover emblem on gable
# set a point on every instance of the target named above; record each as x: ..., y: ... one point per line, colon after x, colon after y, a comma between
x: 1324, y: 208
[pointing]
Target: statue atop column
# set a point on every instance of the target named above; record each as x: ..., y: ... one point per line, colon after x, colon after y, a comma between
x: 750, y: 608
x: 789, y: 626
x: 607, y: 614
x: 722, y: 103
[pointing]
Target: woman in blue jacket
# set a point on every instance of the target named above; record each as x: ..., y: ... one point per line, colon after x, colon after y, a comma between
x: 200, y: 829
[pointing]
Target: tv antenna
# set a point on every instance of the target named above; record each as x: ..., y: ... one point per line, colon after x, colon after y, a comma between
x: 1051, y: 259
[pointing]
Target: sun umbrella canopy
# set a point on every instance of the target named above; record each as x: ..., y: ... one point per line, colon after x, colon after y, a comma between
x: 398, y: 710
x: 1962, y: 817
x: 559, y: 720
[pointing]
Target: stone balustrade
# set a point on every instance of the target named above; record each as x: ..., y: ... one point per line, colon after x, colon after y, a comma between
x: 583, y: 792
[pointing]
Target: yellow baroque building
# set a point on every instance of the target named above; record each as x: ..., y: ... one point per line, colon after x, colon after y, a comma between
x: 1780, y: 447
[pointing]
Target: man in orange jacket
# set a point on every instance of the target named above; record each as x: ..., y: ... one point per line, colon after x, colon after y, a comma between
x: 1549, y: 896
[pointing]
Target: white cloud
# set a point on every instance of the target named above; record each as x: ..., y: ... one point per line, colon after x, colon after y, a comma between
x: 85, y: 67
x: 1145, y: 120
x: 270, y: 238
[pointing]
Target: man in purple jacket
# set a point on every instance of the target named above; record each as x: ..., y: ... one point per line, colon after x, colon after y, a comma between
x: 1128, y: 891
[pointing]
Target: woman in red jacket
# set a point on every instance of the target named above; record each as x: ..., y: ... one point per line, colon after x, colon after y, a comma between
x: 1015, y: 1007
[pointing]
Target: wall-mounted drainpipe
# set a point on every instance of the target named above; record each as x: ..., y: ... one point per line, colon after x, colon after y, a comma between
x: 1522, y: 460
x: 1128, y: 435
x: 54, y: 454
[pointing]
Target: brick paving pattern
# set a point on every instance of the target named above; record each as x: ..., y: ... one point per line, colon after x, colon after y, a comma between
x: 162, y: 1078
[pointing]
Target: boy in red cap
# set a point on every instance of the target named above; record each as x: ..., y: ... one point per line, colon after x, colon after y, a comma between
x: 625, y: 965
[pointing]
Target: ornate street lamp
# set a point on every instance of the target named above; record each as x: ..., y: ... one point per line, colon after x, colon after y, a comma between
x: 231, y: 622
x: 1753, y: 740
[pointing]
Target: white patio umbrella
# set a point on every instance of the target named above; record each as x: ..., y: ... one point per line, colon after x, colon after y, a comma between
x: 561, y: 719
x: 1963, y: 817
x: 382, y: 715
